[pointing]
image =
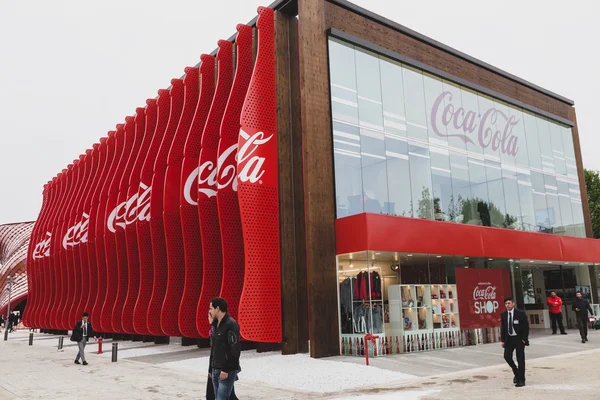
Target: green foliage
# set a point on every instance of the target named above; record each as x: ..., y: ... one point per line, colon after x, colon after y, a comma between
x: 592, y: 183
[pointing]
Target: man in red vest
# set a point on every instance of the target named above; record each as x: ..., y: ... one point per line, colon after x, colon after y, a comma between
x: 555, y: 309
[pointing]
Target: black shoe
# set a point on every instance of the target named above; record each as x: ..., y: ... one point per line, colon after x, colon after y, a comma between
x: 554, y: 333
x: 582, y: 340
x: 520, y: 384
x: 85, y: 363
x: 586, y: 339
x: 515, y: 379
x: 77, y: 362
x: 563, y: 333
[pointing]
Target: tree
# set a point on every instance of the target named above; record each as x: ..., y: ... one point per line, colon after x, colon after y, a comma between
x: 592, y: 184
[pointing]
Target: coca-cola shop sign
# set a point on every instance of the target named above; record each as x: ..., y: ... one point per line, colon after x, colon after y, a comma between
x: 481, y: 294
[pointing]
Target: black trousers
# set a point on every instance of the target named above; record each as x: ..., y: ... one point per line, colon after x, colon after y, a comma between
x: 557, y: 318
x: 582, y: 324
x: 513, y: 343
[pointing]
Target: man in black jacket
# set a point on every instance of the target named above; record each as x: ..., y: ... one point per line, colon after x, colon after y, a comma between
x: 225, y: 349
x: 515, y: 336
x: 85, y: 330
x: 581, y: 307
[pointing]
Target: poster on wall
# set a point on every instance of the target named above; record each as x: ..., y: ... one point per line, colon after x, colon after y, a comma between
x: 481, y: 294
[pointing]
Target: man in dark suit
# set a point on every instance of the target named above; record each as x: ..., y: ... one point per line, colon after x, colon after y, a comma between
x: 85, y: 328
x: 515, y: 336
x: 581, y: 307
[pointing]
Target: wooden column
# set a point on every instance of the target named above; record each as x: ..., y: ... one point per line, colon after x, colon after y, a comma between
x: 581, y: 175
x: 319, y: 188
x: 291, y: 191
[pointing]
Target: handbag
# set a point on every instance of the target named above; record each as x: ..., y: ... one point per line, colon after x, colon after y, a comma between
x: 77, y: 335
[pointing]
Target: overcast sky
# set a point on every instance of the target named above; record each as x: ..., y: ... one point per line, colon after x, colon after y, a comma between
x: 70, y: 70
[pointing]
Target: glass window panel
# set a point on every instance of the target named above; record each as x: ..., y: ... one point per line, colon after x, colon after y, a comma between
x: 545, y: 145
x: 416, y: 117
x: 392, y: 93
x: 398, y: 174
x: 577, y: 209
x: 566, y: 213
x: 370, y: 111
x: 522, y: 156
x: 374, y: 171
x: 551, y: 187
x: 487, y: 126
x: 504, y: 136
x: 560, y: 165
x: 462, y: 210
x: 567, y: 137
x: 542, y: 214
x: 348, y: 170
x: 470, y: 104
x: 528, y: 215
x: 420, y: 179
x: 497, y: 204
x: 533, y: 141
x: 458, y: 128
x: 479, y: 201
x: 441, y: 182
x: 434, y: 104
x: 344, y: 101
x: 511, y: 195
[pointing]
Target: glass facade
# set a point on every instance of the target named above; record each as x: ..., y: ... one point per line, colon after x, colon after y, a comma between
x: 411, y: 144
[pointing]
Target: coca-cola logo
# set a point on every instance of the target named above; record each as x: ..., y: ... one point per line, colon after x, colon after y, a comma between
x: 127, y: 212
x: 78, y: 233
x: 227, y: 168
x: 42, y: 249
x: 143, y: 202
x: 208, y: 182
x: 250, y: 166
x: 485, y: 298
x: 494, y: 127
x: 190, y: 184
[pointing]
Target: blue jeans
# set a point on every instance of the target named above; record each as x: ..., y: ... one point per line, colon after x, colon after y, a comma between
x: 223, y: 388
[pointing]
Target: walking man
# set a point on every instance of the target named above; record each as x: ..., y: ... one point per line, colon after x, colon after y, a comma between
x: 555, y: 308
x: 515, y: 336
x: 85, y: 330
x: 581, y: 307
x: 225, y: 349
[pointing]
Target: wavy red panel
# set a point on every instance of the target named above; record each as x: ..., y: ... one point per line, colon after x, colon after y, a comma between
x: 230, y: 222
x: 212, y: 257
x: 157, y: 228
x: 167, y: 316
x: 54, y: 258
x: 112, y: 153
x: 47, y: 250
x: 172, y: 214
x: 188, y: 199
x: 258, y: 191
x: 92, y: 210
x: 86, y: 214
x: 80, y: 237
x: 110, y: 239
x: 119, y: 222
x: 142, y: 224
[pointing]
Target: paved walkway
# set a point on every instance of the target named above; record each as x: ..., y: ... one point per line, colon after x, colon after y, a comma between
x: 559, y: 366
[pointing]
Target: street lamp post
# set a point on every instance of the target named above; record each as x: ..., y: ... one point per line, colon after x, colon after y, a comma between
x: 9, y: 282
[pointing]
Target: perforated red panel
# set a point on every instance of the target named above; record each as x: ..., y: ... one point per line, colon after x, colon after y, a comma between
x: 260, y: 305
x: 146, y: 262
x: 190, y: 224
x: 227, y: 198
x: 81, y: 273
x: 107, y: 173
x: 157, y: 229
x: 212, y: 257
x: 168, y: 315
x: 91, y: 244
x: 129, y: 267
x: 47, y: 262
x: 110, y: 239
x: 172, y: 217
x: 55, y: 246
x: 86, y: 269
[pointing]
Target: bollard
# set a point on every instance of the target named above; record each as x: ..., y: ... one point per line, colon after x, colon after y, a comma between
x: 60, y: 342
x: 30, y: 338
x: 100, y: 345
x: 115, y: 348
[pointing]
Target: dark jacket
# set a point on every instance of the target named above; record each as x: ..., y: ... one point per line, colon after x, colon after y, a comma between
x: 90, y: 330
x: 583, y: 305
x: 520, y: 326
x: 225, y: 345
